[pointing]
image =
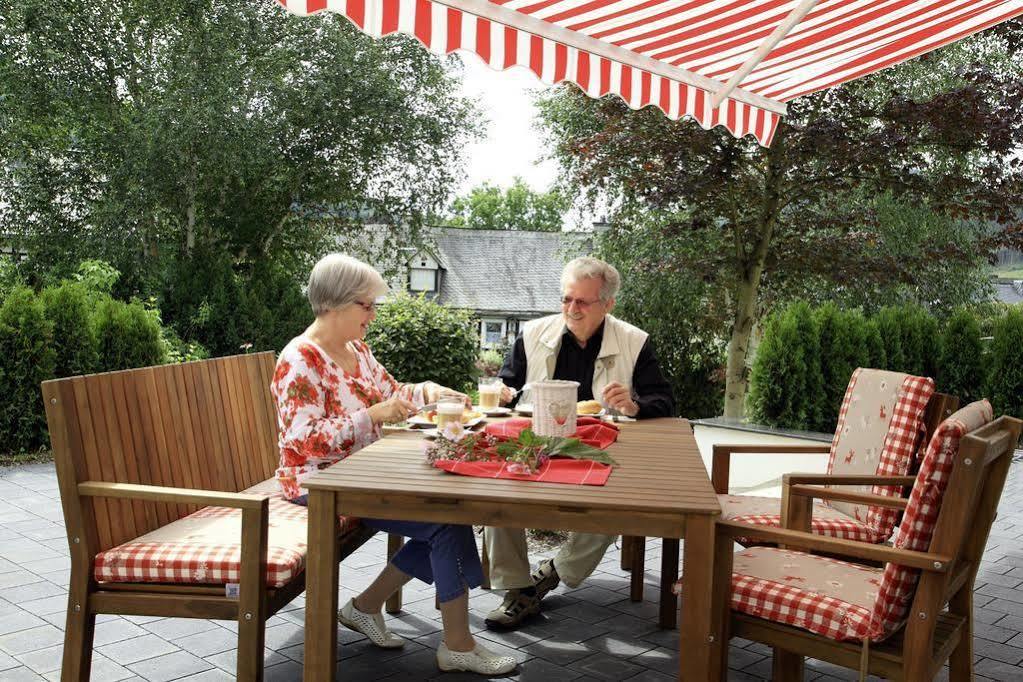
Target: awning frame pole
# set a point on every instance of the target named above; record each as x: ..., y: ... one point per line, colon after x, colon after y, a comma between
x: 581, y: 41
x: 782, y: 30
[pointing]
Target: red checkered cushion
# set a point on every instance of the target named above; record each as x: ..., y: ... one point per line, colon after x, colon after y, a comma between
x: 205, y: 547
x: 763, y: 511
x: 829, y: 597
x: 879, y: 428
x: 917, y: 527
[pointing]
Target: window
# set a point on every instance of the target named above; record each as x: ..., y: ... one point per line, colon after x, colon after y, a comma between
x: 422, y: 279
x: 491, y: 332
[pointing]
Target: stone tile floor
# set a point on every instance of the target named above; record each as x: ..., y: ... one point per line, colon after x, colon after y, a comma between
x: 593, y: 632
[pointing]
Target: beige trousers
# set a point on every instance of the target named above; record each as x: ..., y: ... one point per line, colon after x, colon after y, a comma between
x: 509, y: 557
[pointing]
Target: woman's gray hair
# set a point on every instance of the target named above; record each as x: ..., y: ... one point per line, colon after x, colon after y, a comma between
x: 587, y: 267
x: 338, y: 280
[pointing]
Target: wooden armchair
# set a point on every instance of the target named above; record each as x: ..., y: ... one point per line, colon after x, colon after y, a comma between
x: 903, y: 619
x: 166, y: 481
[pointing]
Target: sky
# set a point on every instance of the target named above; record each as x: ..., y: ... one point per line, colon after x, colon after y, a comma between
x: 511, y: 146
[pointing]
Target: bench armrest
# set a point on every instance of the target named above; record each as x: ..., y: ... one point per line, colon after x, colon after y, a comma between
x: 721, y: 457
x: 154, y: 493
x: 795, y: 539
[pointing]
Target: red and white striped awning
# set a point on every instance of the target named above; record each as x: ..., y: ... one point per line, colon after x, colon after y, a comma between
x: 678, y: 54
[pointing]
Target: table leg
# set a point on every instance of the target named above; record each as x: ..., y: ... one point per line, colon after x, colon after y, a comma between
x: 637, y: 559
x: 321, y: 588
x: 702, y: 649
x: 668, y: 617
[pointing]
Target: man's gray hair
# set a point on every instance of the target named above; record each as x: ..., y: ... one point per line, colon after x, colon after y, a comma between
x: 338, y: 280
x: 587, y: 267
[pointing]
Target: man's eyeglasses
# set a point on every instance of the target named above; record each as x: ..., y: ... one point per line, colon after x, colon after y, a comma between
x: 583, y: 304
x: 368, y: 307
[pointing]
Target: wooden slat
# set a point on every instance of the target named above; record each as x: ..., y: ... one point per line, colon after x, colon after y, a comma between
x: 219, y: 426
x: 143, y: 522
x: 232, y: 406
x: 94, y: 470
x: 182, y: 406
x: 233, y: 430
x: 199, y: 417
x: 244, y: 414
x: 259, y: 396
x: 122, y: 523
x: 174, y: 453
x: 154, y: 427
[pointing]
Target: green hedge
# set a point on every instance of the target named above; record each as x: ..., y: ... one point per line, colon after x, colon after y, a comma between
x: 904, y: 338
x: 417, y: 339
x: 27, y: 358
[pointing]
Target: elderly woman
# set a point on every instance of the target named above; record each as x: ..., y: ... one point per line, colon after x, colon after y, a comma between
x: 332, y: 398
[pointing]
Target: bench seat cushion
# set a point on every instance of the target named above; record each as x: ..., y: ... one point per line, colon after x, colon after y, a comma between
x: 205, y: 546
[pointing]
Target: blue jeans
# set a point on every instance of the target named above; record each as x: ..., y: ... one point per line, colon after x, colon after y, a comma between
x: 441, y: 552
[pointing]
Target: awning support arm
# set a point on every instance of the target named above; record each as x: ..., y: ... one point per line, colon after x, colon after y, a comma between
x: 580, y: 41
x: 782, y: 30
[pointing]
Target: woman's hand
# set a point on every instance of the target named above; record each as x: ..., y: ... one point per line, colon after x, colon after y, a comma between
x: 434, y: 392
x: 391, y: 411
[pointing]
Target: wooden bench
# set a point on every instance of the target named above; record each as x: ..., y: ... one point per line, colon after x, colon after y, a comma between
x: 164, y: 455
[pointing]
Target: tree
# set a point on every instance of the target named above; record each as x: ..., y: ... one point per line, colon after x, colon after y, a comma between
x: 865, y: 187
x: 487, y: 207
x: 135, y: 130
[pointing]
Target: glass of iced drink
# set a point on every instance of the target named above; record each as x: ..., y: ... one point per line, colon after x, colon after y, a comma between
x: 490, y: 392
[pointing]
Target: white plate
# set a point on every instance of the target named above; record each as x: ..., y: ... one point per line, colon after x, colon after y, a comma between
x: 527, y: 409
x: 493, y: 411
x: 420, y: 421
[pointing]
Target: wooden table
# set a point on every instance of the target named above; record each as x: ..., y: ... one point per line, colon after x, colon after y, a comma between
x: 660, y: 488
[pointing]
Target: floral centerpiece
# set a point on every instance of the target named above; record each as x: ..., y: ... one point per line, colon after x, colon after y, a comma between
x: 526, y: 454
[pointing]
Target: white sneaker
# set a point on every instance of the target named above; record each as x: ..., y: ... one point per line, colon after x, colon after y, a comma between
x: 369, y: 624
x: 479, y: 660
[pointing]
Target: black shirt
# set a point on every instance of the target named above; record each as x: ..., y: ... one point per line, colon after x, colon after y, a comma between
x: 650, y: 389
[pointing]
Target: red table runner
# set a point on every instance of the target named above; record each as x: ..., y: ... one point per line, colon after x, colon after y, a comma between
x: 591, y: 431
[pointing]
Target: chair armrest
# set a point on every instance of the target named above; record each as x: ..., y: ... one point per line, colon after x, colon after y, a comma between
x: 790, y: 489
x: 847, y: 479
x: 154, y: 493
x: 721, y: 457
x: 925, y: 561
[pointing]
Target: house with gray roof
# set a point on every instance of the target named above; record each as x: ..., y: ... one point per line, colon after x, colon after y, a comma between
x: 1009, y: 290
x: 505, y: 277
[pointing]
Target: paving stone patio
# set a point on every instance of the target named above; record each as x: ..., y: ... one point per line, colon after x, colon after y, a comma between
x: 589, y: 633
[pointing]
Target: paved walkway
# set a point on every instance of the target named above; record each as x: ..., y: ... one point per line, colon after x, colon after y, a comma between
x: 594, y: 632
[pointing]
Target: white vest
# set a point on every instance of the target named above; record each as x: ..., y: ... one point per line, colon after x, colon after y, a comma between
x: 616, y: 360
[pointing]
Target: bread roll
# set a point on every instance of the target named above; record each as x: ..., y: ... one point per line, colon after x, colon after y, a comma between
x: 588, y: 407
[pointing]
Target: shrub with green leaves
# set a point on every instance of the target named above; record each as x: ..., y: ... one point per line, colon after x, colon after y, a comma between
x: 1006, y: 379
x: 417, y: 339
x: 128, y: 336
x: 960, y: 366
x: 786, y: 385
x: 68, y: 307
x: 27, y: 359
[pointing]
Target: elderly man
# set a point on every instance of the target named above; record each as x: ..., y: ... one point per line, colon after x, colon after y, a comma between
x: 614, y: 363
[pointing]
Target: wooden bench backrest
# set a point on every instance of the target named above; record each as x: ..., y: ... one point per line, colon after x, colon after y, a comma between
x: 207, y: 425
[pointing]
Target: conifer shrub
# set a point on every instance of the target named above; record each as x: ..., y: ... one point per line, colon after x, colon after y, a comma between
x: 1005, y: 382
x: 787, y: 388
x: 27, y: 359
x: 960, y: 364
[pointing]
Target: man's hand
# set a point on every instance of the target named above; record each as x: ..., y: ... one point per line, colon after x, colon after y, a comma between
x: 391, y: 411
x: 619, y: 397
x: 507, y: 393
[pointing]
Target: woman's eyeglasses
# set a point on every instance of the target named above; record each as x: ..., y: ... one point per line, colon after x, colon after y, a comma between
x: 368, y: 307
x: 583, y: 304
